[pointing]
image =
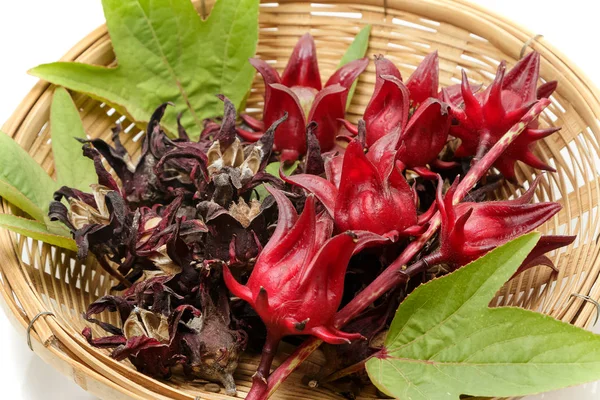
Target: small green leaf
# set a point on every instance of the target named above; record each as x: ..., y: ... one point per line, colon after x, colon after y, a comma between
x: 35, y: 230
x: 273, y: 169
x: 358, y: 49
x: 72, y: 168
x: 23, y: 182
x: 445, y: 341
x: 166, y: 52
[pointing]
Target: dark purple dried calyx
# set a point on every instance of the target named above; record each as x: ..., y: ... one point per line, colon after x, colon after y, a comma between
x: 236, y: 234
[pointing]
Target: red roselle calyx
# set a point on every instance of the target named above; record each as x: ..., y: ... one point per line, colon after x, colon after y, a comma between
x: 364, y: 197
x: 297, y: 283
x: 299, y: 91
x: 484, y: 117
x: 397, y: 272
x: 407, y: 118
x: 469, y: 230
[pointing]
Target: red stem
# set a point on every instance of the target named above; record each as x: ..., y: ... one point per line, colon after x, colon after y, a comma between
x: 259, y: 382
x: 397, y: 272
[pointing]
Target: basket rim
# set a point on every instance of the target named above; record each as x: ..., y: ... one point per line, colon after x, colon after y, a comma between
x: 53, y: 343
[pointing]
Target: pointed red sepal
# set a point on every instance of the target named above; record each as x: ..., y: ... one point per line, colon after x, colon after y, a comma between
x: 269, y: 74
x: 485, y: 117
x: 302, y: 68
x: 291, y: 134
x: 334, y: 336
x: 384, y: 66
x: 368, y: 200
x: 302, y: 266
x: 426, y: 134
x: 350, y: 127
x: 522, y: 79
x: 287, y: 215
x: 547, y: 89
x: 388, y: 108
x: 324, y: 190
x: 249, y: 136
x: 368, y: 239
x: 235, y: 287
x: 253, y: 122
x: 424, y: 81
x: 347, y: 74
x: 328, y: 108
x: 547, y: 243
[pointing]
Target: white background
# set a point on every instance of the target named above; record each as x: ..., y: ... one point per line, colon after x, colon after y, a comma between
x: 39, y: 31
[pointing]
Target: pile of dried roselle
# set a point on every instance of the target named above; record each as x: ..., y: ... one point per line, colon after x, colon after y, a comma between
x: 215, y: 255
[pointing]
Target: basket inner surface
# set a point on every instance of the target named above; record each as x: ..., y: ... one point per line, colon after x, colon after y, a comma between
x: 66, y: 286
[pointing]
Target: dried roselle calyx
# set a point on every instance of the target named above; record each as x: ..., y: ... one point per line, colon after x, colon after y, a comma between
x: 140, y: 184
x: 157, y: 227
x: 162, y: 329
x: 235, y: 234
x: 145, y: 338
x: 470, y: 230
x: 300, y: 93
x: 228, y: 169
x: 107, y: 240
x: 362, y: 184
x: 484, y: 117
x: 211, y: 346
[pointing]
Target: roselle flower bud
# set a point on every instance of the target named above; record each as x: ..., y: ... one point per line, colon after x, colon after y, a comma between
x: 297, y: 283
x: 470, y: 230
x: 484, y: 117
x: 362, y: 195
x: 300, y: 93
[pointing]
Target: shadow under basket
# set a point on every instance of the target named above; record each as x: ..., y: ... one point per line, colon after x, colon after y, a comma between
x: 36, y: 278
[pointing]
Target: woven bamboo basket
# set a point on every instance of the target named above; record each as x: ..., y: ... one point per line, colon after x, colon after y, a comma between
x: 37, y: 278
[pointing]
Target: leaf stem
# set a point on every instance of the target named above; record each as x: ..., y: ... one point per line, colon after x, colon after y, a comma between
x: 359, y: 366
x: 397, y: 272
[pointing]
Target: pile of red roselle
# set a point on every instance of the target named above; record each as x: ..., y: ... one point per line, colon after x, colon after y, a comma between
x: 208, y: 269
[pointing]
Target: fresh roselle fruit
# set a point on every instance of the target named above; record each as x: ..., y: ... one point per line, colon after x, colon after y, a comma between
x: 300, y: 93
x: 407, y: 118
x: 361, y: 195
x: 469, y: 230
x: 300, y: 265
x: 484, y: 117
x: 297, y: 283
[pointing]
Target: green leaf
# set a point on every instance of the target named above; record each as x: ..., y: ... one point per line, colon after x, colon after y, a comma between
x: 273, y: 169
x: 165, y: 52
x: 23, y: 182
x: 445, y: 341
x: 357, y: 50
x: 35, y: 230
x: 72, y: 168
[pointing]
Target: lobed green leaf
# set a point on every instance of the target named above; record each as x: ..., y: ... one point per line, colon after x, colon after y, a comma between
x: 446, y: 342
x: 166, y: 52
